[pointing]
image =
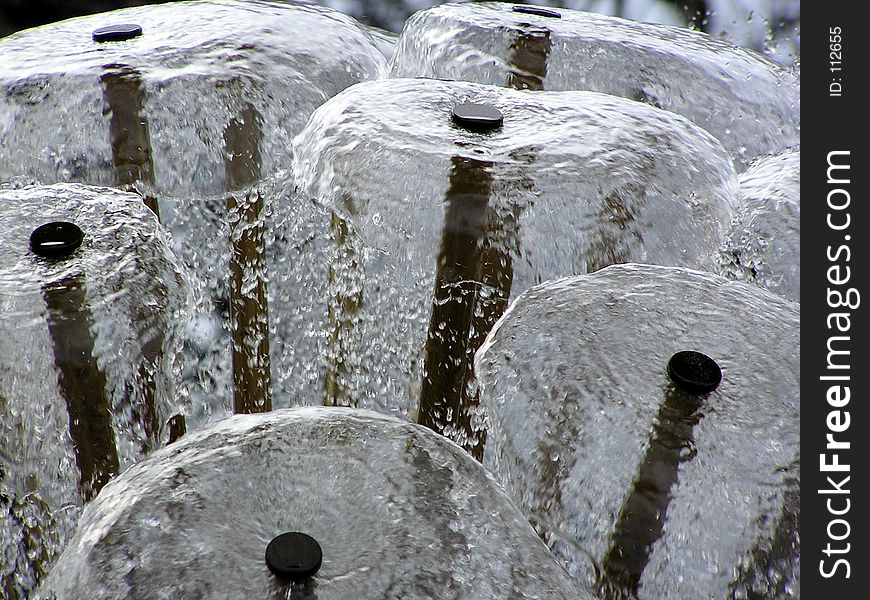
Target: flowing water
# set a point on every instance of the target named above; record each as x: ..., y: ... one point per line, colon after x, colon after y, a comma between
x: 193, y: 118
x: 764, y: 245
x: 572, y: 182
x: 346, y: 242
x: 399, y: 512
x: 639, y: 488
x: 90, y: 361
x: 749, y: 103
x: 180, y: 85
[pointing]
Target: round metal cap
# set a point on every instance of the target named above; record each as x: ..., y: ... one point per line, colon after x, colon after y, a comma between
x: 536, y: 10
x: 117, y: 33
x: 294, y: 556
x: 694, y: 372
x: 56, y: 240
x: 477, y: 117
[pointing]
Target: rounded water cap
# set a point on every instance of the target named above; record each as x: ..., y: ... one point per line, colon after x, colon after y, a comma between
x: 117, y: 33
x: 694, y: 372
x: 477, y: 117
x: 294, y: 556
x: 56, y: 240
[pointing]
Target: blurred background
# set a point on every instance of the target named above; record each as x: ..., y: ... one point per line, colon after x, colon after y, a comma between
x: 771, y: 27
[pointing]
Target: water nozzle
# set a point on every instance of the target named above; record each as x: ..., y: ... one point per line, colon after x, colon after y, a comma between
x: 294, y: 556
x: 56, y: 240
x: 536, y: 10
x: 477, y: 117
x: 117, y: 33
x: 694, y: 372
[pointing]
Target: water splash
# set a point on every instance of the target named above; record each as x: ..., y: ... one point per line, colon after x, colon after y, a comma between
x: 749, y: 103
x: 398, y: 511
x: 637, y: 487
x: 90, y: 347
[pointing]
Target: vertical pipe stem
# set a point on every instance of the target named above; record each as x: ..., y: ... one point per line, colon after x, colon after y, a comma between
x: 249, y: 313
x: 528, y: 57
x: 82, y: 384
x: 642, y: 519
x: 344, y: 306
x: 449, y: 351
x: 124, y: 94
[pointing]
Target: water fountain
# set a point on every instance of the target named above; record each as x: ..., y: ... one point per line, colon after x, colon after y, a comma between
x: 566, y: 183
x: 93, y: 309
x: 764, y: 244
x: 192, y: 118
x: 356, y: 233
x: 749, y: 103
x: 643, y: 486
x: 393, y: 510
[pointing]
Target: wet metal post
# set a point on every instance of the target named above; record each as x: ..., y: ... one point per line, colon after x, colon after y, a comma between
x: 343, y: 307
x: 82, y: 384
x: 529, y: 52
x: 642, y: 518
x: 124, y: 93
x: 449, y: 353
x: 249, y: 314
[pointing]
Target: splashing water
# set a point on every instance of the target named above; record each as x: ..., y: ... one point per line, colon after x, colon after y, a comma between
x: 600, y: 449
x: 399, y: 512
x: 749, y: 103
x: 572, y: 182
x: 764, y: 245
x: 90, y: 360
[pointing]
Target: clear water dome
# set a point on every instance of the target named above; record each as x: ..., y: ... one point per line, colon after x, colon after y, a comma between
x: 157, y: 110
x: 751, y: 104
x: 88, y: 358
x: 642, y: 485
x: 397, y: 511
x: 193, y: 117
x: 426, y: 228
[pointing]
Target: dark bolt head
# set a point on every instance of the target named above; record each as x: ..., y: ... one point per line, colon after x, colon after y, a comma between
x: 56, y: 240
x: 294, y: 556
x: 694, y: 372
x: 477, y: 117
x: 117, y: 33
x: 536, y: 10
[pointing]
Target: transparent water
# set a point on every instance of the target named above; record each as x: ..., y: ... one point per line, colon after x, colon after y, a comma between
x: 110, y: 317
x: 749, y: 103
x: 364, y: 263
x: 771, y: 27
x: 398, y: 511
x: 193, y: 118
x: 582, y: 414
x: 764, y: 245
x: 572, y: 182
x: 185, y: 83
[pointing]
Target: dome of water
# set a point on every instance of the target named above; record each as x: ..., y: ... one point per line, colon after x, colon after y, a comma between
x: 157, y: 109
x: 408, y: 201
x: 749, y: 103
x: 192, y: 117
x: 764, y: 244
x: 397, y: 511
x: 88, y: 358
x: 639, y: 486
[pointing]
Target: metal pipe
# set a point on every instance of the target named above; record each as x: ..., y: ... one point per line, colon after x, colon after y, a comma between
x: 82, y: 383
x: 449, y: 353
x: 249, y: 311
x: 641, y: 520
x: 124, y: 93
